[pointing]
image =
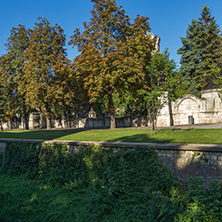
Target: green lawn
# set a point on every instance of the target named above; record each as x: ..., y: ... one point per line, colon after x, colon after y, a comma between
x: 206, y: 136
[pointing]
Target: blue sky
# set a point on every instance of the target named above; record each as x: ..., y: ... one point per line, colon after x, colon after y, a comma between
x: 168, y: 19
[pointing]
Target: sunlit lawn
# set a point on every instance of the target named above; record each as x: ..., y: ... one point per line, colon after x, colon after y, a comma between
x: 213, y: 136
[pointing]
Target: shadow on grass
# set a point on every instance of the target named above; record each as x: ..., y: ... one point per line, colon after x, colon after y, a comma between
x: 141, y: 138
x: 39, y: 134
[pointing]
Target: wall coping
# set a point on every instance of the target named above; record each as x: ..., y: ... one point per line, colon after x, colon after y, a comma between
x: 158, y: 146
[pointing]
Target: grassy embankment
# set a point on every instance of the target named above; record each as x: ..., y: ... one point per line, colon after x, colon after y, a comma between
x: 205, y: 136
x: 96, y: 184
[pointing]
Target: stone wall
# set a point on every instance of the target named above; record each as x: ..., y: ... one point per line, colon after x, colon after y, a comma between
x: 182, y: 160
x: 185, y: 163
x: 207, y: 109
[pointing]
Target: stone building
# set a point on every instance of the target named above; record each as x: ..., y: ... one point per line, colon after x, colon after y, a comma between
x: 190, y: 109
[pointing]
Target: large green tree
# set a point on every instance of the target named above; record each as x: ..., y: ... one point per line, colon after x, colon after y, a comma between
x: 46, y: 68
x: 12, y: 70
x: 199, y: 52
x: 165, y: 78
x: 190, y: 61
x: 113, y: 53
x: 208, y: 43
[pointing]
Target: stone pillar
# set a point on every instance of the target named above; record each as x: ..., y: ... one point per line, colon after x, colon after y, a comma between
x: 31, y: 121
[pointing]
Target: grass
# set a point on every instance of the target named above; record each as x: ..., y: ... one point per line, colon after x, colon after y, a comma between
x: 30, y: 199
x: 204, y: 136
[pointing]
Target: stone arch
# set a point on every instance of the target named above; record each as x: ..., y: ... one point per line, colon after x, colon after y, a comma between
x: 188, y: 96
x: 187, y: 105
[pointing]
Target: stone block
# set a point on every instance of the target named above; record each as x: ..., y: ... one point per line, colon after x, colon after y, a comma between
x: 214, y: 157
x: 169, y: 155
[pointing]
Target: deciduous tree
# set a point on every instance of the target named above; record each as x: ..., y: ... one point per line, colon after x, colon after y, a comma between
x: 156, y: 97
x: 46, y: 68
x: 12, y: 70
x: 113, y: 53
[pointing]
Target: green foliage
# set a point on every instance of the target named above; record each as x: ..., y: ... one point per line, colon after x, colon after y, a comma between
x: 44, y: 85
x: 202, y: 204
x: 1, y: 159
x: 199, y: 61
x: 113, y: 53
x: 21, y: 158
x: 96, y: 184
x: 57, y: 167
x: 161, y: 62
x: 12, y: 73
x: 190, y: 58
x: 154, y: 100
x: 208, y: 43
x: 35, y: 74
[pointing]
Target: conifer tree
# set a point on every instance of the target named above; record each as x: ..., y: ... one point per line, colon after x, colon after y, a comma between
x: 218, y: 77
x: 207, y: 43
x: 199, y: 52
x: 113, y: 53
x: 190, y: 62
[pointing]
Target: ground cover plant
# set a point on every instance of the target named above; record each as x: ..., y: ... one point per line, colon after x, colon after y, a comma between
x: 204, y: 136
x: 95, y: 184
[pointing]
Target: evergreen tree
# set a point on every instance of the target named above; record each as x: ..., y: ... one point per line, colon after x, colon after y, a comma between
x: 219, y: 51
x: 218, y: 77
x: 190, y: 62
x: 199, y: 52
x: 207, y: 43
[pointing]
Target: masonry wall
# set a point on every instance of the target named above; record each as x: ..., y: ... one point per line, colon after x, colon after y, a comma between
x: 186, y: 163
x: 207, y: 109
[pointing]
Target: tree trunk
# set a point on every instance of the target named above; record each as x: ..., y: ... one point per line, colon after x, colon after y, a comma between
x: 112, y: 121
x: 112, y: 112
x: 67, y: 122
x: 151, y: 118
x: 9, y: 125
x: 25, y: 115
x: 48, y: 116
x: 26, y: 123
x: 170, y: 111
